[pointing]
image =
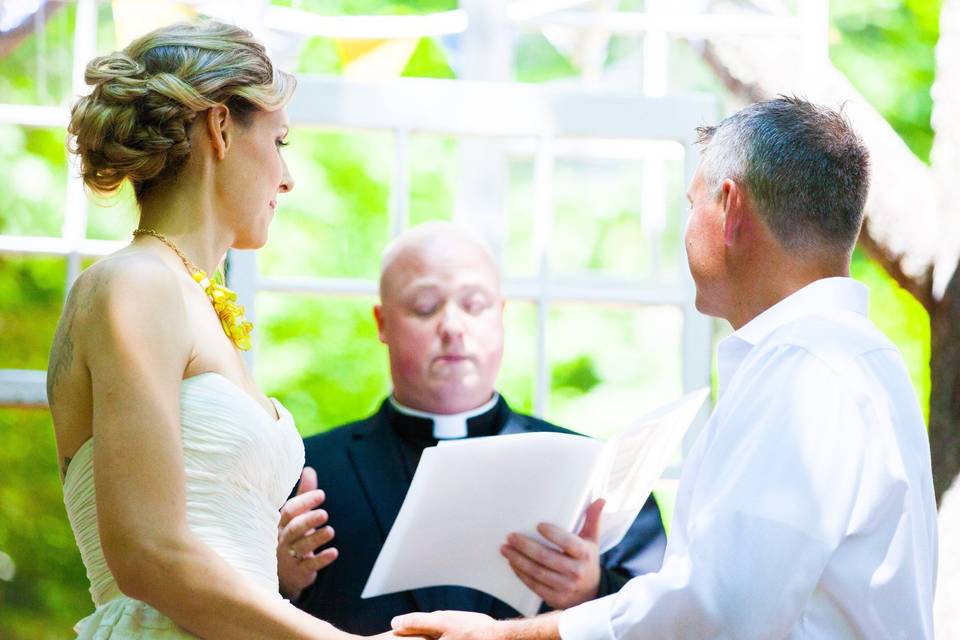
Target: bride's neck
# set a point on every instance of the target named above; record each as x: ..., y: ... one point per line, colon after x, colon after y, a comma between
x: 190, y: 223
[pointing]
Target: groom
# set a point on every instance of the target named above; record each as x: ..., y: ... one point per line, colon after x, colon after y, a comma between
x: 805, y: 508
x: 441, y: 317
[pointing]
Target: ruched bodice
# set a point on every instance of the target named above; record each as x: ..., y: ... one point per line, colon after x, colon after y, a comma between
x: 241, y: 464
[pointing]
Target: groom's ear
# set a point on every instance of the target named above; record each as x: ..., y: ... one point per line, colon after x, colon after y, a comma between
x: 733, y: 202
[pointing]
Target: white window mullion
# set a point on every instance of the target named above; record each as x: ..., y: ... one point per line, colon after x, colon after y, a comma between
x: 318, y: 286
x: 543, y: 231
x: 241, y: 275
x: 23, y: 388
x: 75, y: 209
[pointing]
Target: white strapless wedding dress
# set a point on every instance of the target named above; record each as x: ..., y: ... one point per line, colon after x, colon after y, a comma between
x: 241, y: 464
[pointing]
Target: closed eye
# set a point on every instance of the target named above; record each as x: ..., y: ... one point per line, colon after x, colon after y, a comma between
x: 426, y: 309
x: 476, y: 304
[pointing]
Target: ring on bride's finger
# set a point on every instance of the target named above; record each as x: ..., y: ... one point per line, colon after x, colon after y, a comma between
x: 293, y: 553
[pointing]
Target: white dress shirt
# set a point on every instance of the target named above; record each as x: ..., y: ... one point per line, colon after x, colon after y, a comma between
x: 805, y: 508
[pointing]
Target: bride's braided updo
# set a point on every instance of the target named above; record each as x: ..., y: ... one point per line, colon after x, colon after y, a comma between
x: 135, y: 124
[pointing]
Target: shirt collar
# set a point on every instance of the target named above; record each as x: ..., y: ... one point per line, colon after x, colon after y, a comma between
x: 447, y: 425
x: 827, y: 294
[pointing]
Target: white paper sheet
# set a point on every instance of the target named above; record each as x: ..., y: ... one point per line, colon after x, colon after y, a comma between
x: 468, y: 495
x: 637, y: 457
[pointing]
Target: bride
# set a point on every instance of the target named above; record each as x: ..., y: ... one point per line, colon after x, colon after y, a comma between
x: 174, y: 463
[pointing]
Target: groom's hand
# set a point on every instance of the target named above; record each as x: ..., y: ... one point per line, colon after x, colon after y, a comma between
x: 566, y: 577
x: 446, y: 625
x: 303, y: 528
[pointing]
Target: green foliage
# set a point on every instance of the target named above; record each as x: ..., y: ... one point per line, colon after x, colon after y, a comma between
x: 48, y: 593
x: 322, y: 359
x: 518, y: 371
x: 539, y: 61
x: 633, y: 352
x: 31, y: 297
x: 35, y: 185
x: 617, y: 241
x: 433, y: 176
x: 335, y: 221
x: 886, y: 49
x: 112, y: 217
x: 901, y: 318
x: 429, y: 60
x: 578, y: 374
x: 319, y: 56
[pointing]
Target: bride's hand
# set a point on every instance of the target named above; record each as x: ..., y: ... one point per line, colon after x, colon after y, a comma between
x: 303, y: 528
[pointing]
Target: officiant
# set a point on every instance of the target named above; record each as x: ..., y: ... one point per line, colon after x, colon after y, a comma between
x: 441, y: 318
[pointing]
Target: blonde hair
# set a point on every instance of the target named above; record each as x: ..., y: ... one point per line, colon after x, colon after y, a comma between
x: 135, y: 124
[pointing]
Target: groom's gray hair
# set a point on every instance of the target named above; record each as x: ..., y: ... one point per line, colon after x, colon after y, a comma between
x: 803, y: 165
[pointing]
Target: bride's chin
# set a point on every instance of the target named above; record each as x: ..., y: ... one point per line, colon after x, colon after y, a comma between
x: 249, y: 244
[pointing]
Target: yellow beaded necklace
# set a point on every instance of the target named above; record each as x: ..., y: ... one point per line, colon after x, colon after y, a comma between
x: 224, y: 300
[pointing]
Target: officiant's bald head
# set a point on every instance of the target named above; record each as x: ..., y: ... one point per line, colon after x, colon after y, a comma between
x: 441, y: 317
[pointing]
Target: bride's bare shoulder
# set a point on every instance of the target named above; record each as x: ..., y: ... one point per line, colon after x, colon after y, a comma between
x: 128, y: 276
x: 125, y: 297
x: 124, y: 291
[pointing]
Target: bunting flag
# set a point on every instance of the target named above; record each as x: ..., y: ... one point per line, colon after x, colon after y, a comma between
x: 375, y: 59
x: 363, y: 59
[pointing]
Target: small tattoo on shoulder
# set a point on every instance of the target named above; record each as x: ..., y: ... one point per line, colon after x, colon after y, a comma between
x: 62, y: 350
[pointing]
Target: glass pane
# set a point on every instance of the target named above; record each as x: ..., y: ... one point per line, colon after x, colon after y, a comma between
x: 671, y: 262
x: 618, y: 210
x: 518, y: 373
x: 613, y: 216
x: 434, y: 171
x: 519, y: 254
x: 33, y: 191
x: 335, y: 222
x: 625, y: 52
x: 609, y: 365
x: 597, y: 224
x: 31, y: 299
x: 321, y: 358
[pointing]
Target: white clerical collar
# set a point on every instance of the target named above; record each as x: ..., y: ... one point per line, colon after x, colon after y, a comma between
x: 820, y: 296
x: 447, y: 425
